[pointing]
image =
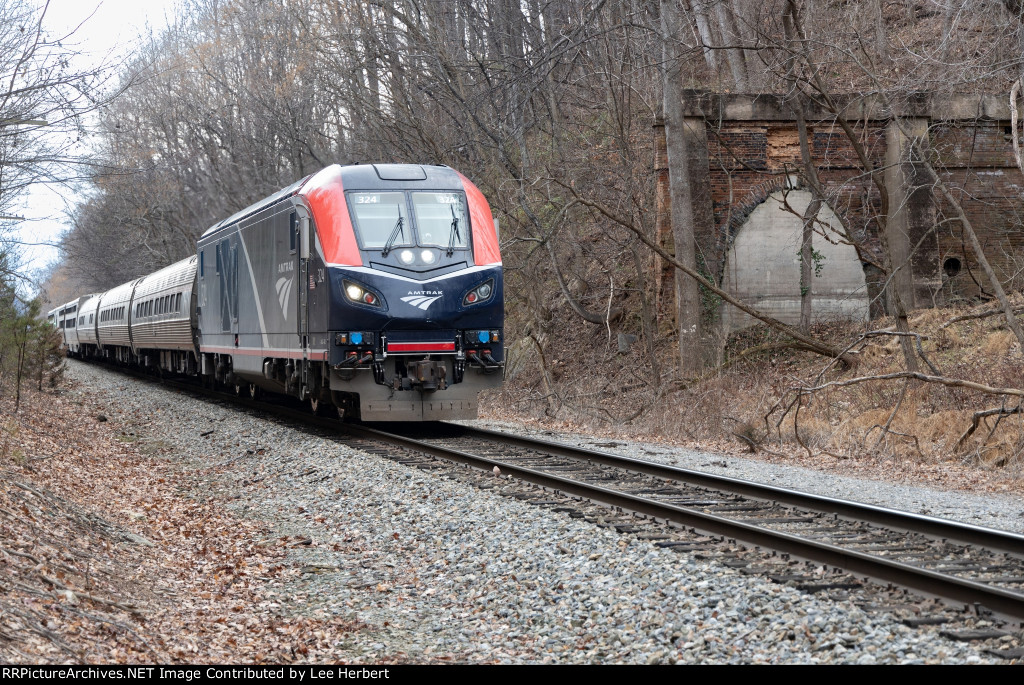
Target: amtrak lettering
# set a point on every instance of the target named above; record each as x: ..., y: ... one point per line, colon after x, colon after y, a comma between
x: 423, y: 298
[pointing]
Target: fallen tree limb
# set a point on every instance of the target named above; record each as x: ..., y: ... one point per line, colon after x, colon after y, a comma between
x: 892, y: 415
x: 917, y: 445
x: 983, y: 314
x: 875, y: 334
x: 979, y: 415
x: 942, y: 380
x: 92, y: 598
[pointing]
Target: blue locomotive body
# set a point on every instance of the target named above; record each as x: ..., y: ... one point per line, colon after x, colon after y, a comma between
x: 373, y: 289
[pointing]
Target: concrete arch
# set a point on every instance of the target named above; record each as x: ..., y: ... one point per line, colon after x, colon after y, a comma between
x: 762, y: 266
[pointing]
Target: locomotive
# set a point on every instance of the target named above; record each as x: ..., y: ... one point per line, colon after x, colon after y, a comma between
x: 371, y: 290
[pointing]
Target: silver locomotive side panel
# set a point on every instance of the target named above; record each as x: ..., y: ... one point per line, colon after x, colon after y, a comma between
x: 248, y: 285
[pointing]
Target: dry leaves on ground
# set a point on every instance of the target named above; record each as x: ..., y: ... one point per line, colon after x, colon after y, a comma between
x: 112, y: 554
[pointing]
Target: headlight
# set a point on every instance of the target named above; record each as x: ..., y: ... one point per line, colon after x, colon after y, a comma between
x: 428, y: 256
x: 406, y: 256
x: 360, y: 294
x: 479, y: 294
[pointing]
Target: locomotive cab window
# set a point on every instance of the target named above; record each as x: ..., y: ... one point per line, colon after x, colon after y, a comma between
x: 380, y: 219
x: 441, y: 219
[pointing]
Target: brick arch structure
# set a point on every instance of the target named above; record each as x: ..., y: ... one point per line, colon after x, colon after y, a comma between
x: 740, y: 210
x: 740, y: 148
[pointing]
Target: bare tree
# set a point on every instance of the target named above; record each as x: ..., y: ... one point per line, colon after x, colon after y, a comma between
x: 688, y: 303
x: 44, y: 98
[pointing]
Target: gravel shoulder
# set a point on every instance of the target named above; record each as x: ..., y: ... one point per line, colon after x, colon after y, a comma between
x: 421, y: 568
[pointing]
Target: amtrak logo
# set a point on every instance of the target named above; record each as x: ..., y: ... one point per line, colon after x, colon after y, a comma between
x: 284, y: 289
x: 423, y: 298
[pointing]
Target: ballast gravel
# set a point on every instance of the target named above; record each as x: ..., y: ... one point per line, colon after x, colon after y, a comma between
x: 438, y: 570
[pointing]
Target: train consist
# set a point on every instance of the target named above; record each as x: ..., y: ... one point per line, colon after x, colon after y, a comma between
x: 375, y: 290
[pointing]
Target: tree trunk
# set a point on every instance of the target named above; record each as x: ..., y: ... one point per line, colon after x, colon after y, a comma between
x: 894, y: 302
x: 700, y: 16
x: 806, y: 240
x: 733, y: 55
x: 881, y: 41
x: 688, y: 309
x: 18, y: 372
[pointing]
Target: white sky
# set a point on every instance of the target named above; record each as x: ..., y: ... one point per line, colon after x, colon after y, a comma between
x: 109, y: 29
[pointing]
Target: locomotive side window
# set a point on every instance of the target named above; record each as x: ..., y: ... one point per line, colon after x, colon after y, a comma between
x: 441, y: 219
x: 379, y: 216
x: 234, y: 282
x: 293, y: 227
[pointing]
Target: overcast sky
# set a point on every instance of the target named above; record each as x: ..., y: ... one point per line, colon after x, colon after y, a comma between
x: 105, y: 30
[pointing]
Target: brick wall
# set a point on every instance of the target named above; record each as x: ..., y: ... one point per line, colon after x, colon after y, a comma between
x: 751, y: 155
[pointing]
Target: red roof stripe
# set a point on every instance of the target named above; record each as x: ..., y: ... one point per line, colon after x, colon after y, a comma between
x: 326, y: 197
x: 485, y: 239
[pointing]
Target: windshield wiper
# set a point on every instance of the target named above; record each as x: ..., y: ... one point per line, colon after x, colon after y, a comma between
x: 454, y: 232
x: 393, y: 237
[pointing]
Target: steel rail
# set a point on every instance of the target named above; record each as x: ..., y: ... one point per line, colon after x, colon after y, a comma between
x: 997, y: 599
x: 891, y: 518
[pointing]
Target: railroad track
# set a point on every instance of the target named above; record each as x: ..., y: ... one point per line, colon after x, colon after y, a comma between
x: 967, y: 564
x: 788, y: 534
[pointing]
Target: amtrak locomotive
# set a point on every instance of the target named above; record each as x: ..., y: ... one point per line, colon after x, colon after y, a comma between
x: 373, y: 290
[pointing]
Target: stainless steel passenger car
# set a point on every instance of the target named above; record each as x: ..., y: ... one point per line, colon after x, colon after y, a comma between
x: 161, y: 318
x: 112, y: 330
x: 85, y: 331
